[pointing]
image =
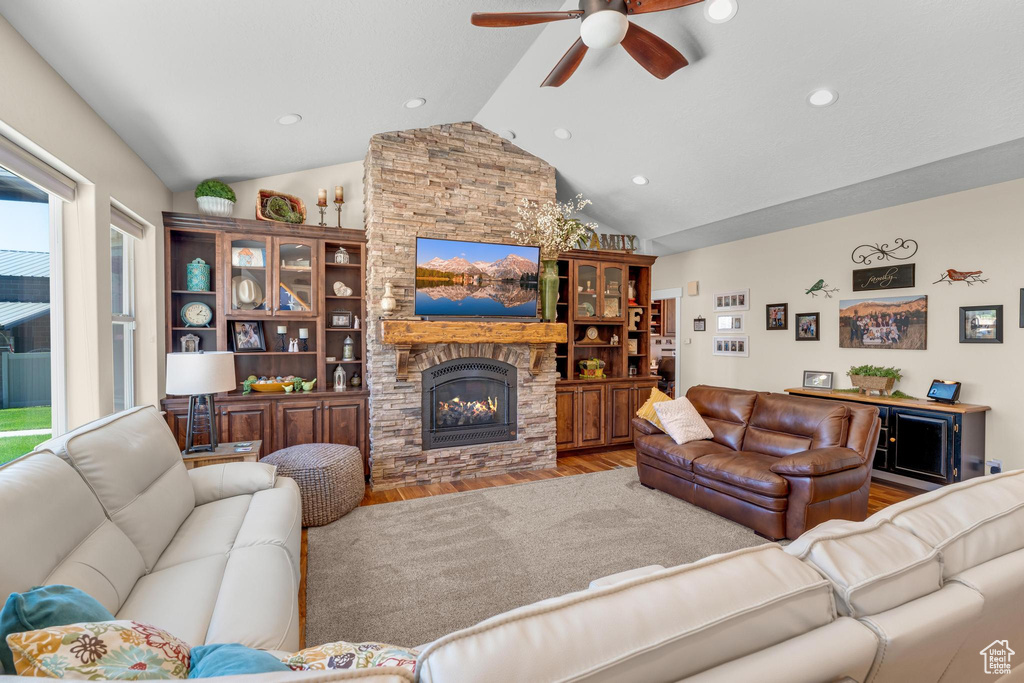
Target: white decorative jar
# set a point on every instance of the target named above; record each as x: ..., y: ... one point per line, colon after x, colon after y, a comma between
x: 216, y: 206
x: 387, y: 302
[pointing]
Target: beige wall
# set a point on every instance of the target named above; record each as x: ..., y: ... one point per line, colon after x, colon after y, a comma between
x: 981, y: 229
x: 302, y: 184
x: 39, y: 110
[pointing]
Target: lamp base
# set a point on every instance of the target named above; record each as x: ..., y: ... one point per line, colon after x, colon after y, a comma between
x: 201, y: 420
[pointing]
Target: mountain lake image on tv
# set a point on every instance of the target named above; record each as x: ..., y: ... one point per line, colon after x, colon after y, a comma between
x: 473, y: 279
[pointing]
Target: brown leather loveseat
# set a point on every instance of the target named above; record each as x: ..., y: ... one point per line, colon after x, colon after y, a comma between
x: 778, y: 464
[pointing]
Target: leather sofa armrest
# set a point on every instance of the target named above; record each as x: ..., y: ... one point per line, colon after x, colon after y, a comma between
x: 818, y: 461
x: 215, y: 482
x: 645, y: 426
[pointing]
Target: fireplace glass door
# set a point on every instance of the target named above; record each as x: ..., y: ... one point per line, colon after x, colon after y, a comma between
x: 468, y: 401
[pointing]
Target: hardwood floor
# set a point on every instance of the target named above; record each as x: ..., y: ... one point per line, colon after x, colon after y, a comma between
x: 881, y: 495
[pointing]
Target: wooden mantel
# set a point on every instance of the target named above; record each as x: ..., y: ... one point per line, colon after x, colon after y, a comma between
x: 404, y: 333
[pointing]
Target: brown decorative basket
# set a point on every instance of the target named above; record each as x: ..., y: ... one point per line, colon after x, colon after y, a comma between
x: 867, y: 384
x: 263, y: 195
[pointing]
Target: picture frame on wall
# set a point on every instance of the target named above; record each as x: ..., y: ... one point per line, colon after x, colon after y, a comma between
x: 889, y: 322
x: 729, y: 323
x: 247, y: 336
x: 808, y: 326
x: 700, y: 324
x: 981, y: 324
x: 818, y: 379
x: 776, y: 317
x: 734, y: 345
x: 733, y: 300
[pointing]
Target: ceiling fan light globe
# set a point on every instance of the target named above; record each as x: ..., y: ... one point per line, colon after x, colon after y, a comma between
x: 604, y: 29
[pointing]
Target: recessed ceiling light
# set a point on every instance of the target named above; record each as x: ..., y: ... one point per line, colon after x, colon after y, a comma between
x: 415, y: 103
x: 720, y: 11
x: 562, y: 133
x: 640, y: 180
x: 288, y: 119
x: 508, y: 134
x: 822, y: 97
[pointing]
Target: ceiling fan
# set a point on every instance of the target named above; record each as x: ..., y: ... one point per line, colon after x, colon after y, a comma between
x: 605, y: 24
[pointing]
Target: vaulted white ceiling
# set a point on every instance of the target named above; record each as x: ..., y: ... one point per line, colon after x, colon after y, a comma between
x: 930, y: 98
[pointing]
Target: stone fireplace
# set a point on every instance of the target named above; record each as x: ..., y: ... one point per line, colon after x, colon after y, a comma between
x: 457, y: 181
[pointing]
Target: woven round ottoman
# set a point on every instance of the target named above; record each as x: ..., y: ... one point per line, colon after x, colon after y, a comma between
x: 330, y: 478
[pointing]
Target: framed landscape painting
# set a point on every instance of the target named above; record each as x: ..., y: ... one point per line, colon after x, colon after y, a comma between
x: 895, y: 322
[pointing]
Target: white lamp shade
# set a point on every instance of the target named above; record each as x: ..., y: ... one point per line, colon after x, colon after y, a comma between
x: 193, y: 374
x: 604, y: 29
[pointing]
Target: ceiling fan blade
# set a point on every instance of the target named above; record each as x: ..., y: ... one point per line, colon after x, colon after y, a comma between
x: 508, y: 19
x: 647, y: 6
x: 652, y: 53
x: 567, y: 65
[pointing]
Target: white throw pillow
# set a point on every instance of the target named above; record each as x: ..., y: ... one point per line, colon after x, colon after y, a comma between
x: 681, y: 421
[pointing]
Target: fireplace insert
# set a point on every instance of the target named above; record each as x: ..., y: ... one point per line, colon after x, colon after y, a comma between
x: 468, y: 401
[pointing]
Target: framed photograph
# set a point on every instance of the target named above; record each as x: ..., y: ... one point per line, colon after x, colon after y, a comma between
x: 247, y: 336
x: 818, y: 379
x: 776, y: 316
x: 341, y: 319
x: 700, y: 324
x: 981, y: 324
x: 888, y: 322
x: 731, y: 346
x: 736, y: 300
x: 631, y: 346
x: 730, y: 323
x: 808, y: 326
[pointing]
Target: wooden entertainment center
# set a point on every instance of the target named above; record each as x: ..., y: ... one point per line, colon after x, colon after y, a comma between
x: 594, y: 297
x: 289, y: 260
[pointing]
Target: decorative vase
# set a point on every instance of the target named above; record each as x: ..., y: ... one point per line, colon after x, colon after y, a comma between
x: 387, y: 302
x: 356, y: 380
x: 197, y: 276
x: 549, y: 290
x: 216, y: 206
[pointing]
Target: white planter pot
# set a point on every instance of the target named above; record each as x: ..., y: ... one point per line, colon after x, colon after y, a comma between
x: 216, y: 206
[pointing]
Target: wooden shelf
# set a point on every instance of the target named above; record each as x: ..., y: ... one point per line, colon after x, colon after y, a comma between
x: 344, y: 298
x: 343, y: 265
x: 208, y: 292
x: 345, y: 329
x: 470, y: 332
x: 275, y: 353
x: 195, y: 329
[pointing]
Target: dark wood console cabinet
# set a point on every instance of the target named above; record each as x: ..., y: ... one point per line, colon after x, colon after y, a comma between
x: 923, y: 441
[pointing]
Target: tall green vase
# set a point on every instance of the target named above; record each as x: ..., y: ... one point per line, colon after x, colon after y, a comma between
x: 549, y: 290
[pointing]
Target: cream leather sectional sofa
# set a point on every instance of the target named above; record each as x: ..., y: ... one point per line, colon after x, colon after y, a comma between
x: 914, y: 593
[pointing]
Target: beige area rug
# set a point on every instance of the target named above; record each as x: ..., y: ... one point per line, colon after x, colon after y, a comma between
x: 409, y: 572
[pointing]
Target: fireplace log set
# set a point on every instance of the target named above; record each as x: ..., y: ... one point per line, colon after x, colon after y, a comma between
x: 456, y: 412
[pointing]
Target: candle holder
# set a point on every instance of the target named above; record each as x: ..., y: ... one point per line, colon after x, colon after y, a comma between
x: 337, y: 205
x: 323, y: 213
x: 280, y: 341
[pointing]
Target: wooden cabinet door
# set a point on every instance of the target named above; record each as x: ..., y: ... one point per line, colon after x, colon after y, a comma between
x: 620, y: 412
x: 345, y: 423
x: 614, y: 291
x: 296, y: 281
x: 246, y: 421
x: 640, y: 394
x: 587, y: 293
x: 177, y: 420
x: 297, y: 422
x: 923, y: 446
x: 668, y: 315
x: 566, y: 416
x: 592, y: 428
x: 245, y: 272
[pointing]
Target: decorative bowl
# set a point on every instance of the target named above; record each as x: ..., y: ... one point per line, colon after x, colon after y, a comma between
x: 271, y: 387
x: 216, y: 206
x: 297, y: 204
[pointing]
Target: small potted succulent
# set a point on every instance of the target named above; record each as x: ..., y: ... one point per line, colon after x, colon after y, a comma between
x: 868, y: 378
x: 215, y: 198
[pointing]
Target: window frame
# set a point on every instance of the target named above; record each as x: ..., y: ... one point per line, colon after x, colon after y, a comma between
x: 127, y: 319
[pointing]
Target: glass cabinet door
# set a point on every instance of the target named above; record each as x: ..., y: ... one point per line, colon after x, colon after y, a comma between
x: 296, y: 291
x: 248, y: 287
x: 612, y: 292
x: 587, y: 287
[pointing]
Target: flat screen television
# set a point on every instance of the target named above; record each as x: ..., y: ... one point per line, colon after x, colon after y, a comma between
x: 476, y: 279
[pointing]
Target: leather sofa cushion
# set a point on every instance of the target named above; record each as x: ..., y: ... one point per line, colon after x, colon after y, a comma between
x: 662, y: 447
x: 969, y: 523
x: 751, y: 471
x: 860, y: 435
x: 54, y: 532
x: 873, y: 565
x: 726, y: 411
x: 766, y: 502
x: 131, y: 462
x: 783, y: 425
x: 661, y: 627
x: 215, y: 482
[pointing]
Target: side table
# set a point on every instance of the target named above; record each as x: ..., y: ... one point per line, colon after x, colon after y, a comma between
x: 226, y: 452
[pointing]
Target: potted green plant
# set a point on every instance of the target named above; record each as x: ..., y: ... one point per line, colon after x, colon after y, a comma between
x: 868, y: 378
x: 215, y: 198
x: 551, y: 227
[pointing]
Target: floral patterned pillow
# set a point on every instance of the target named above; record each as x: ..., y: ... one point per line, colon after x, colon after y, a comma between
x: 342, y: 655
x: 123, y: 650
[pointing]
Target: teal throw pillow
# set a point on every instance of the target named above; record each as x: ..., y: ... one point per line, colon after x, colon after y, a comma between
x: 44, y: 607
x: 232, y: 659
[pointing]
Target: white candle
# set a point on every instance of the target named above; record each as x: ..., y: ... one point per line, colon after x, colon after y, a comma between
x: 281, y: 329
x: 321, y: 197
x: 339, y: 194
x: 303, y: 333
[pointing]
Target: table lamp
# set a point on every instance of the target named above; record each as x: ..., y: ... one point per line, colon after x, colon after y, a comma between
x: 199, y: 376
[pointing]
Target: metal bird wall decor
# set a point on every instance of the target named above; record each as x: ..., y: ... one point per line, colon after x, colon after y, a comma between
x: 822, y: 286
x: 971, y: 277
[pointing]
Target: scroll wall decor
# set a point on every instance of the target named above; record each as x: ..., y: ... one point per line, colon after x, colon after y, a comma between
x: 901, y: 250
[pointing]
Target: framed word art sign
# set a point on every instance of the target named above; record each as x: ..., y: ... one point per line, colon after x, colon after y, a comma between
x: 886, y: 277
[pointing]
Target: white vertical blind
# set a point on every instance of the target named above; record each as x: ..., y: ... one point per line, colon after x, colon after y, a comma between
x: 37, y: 172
